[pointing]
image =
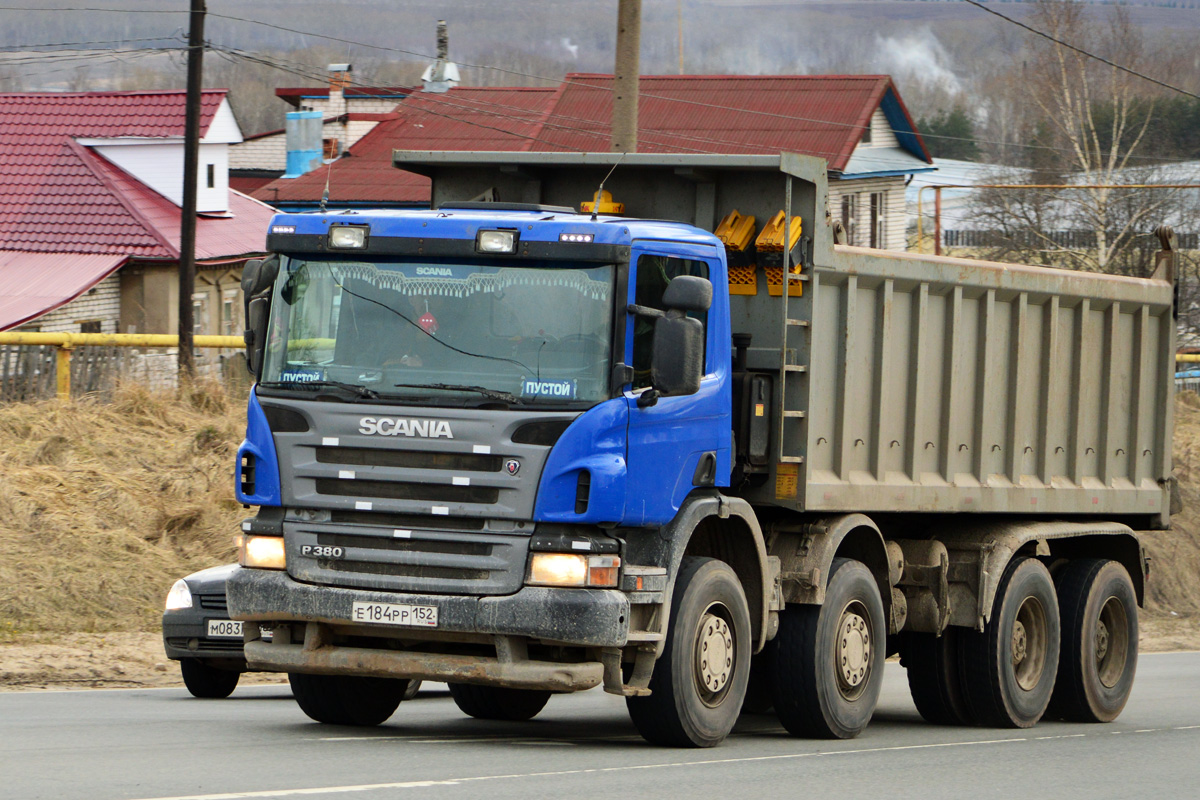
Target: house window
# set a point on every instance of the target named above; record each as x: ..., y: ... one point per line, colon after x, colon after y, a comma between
x: 866, y: 137
x: 330, y: 147
x: 91, y: 326
x: 850, y: 217
x: 212, y: 176
x: 229, y: 304
x: 879, y: 220
x: 200, y: 314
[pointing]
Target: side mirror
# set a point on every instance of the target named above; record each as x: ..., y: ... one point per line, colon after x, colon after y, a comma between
x: 257, y: 314
x: 688, y: 293
x: 258, y: 276
x: 677, y: 355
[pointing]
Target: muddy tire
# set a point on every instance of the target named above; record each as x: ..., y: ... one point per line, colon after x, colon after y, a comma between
x: 1009, y: 669
x: 933, y: 676
x: 699, y: 681
x: 1098, y: 606
x: 828, y: 659
x: 347, y: 699
x: 496, y: 702
x: 207, y: 682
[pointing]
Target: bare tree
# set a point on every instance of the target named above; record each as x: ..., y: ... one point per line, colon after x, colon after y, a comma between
x: 1093, y: 122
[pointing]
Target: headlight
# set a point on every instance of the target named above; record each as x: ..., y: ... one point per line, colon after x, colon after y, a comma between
x: 261, y: 552
x: 179, y: 597
x: 496, y: 242
x: 343, y: 236
x: 573, y: 569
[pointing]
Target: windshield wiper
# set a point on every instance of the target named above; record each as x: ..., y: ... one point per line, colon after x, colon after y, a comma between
x: 360, y: 391
x: 491, y: 394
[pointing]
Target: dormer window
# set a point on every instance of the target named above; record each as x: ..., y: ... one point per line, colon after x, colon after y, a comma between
x: 866, y: 137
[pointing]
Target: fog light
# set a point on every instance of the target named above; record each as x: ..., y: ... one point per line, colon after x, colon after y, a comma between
x: 179, y: 597
x: 261, y: 552
x: 496, y: 242
x: 573, y: 569
x: 347, y: 236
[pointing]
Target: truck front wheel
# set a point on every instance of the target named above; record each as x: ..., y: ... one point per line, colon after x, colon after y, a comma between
x: 1099, y: 641
x: 1009, y: 668
x: 347, y: 699
x: 829, y: 658
x: 699, y: 681
x: 497, y: 702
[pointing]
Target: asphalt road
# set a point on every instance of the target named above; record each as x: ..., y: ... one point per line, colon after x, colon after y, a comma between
x: 162, y: 743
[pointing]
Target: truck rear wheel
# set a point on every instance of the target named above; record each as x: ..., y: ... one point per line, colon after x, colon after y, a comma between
x: 829, y: 658
x: 1009, y: 668
x: 347, y: 699
x: 205, y: 681
x: 1099, y: 641
x: 699, y: 681
x: 497, y: 702
x: 933, y: 676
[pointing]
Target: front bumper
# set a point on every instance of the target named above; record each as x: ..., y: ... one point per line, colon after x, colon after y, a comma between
x: 576, y: 617
x: 185, y: 635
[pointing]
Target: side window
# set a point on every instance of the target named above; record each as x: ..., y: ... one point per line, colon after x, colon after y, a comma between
x: 651, y: 277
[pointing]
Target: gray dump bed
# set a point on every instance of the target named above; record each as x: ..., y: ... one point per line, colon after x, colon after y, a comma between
x: 912, y: 383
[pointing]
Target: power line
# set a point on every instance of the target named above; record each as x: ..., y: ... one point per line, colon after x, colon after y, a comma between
x: 1081, y: 51
x: 17, y: 47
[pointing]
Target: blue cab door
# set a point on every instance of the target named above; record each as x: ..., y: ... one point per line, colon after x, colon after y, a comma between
x: 668, y: 440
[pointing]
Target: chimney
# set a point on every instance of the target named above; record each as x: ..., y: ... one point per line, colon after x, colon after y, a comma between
x: 442, y: 75
x: 339, y: 80
x: 304, y: 148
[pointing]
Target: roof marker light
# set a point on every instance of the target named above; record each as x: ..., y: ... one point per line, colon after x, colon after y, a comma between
x: 576, y: 237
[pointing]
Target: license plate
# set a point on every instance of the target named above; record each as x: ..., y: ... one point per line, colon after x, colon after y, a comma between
x: 224, y: 629
x: 395, y: 614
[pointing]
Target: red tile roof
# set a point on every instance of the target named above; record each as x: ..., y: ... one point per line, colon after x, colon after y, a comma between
x: 822, y: 115
x: 30, y: 118
x: 464, y: 118
x: 66, y: 209
x: 33, y: 283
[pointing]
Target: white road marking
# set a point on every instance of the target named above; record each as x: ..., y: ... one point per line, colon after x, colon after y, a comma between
x: 368, y: 787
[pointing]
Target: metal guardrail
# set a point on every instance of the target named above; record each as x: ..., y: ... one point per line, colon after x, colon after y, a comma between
x: 66, y: 342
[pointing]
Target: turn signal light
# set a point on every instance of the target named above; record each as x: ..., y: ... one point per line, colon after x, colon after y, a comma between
x: 573, y: 570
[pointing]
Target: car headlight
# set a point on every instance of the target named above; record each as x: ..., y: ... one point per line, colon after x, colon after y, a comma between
x: 573, y: 569
x: 179, y: 597
x: 261, y: 552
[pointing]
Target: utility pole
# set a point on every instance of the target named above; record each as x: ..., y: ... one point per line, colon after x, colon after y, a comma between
x: 191, y: 169
x: 625, y: 76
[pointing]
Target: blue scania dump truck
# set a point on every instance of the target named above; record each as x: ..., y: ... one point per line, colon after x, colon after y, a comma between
x: 526, y: 450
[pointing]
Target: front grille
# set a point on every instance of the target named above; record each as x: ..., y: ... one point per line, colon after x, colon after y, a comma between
x: 431, y: 492
x: 214, y: 602
x: 404, y: 545
x: 418, y: 459
x: 406, y: 570
x: 408, y: 521
x: 208, y: 645
x: 408, y: 558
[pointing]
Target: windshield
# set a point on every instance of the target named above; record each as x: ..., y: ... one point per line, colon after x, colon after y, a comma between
x: 534, y: 333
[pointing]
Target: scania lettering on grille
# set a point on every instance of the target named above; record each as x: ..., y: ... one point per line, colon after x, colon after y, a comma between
x: 423, y: 428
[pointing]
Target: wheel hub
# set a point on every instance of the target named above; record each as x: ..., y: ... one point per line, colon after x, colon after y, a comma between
x: 1101, y: 641
x: 714, y: 653
x: 853, y: 650
x: 1020, y: 643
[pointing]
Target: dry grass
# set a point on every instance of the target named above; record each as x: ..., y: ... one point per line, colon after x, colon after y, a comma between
x: 103, y: 506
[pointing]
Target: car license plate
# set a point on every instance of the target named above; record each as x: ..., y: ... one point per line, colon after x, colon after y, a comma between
x: 395, y: 614
x: 224, y: 629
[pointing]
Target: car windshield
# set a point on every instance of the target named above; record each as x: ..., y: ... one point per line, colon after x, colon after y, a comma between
x: 442, y: 330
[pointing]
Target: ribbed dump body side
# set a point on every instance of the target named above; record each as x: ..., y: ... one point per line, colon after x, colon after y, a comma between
x: 947, y: 385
